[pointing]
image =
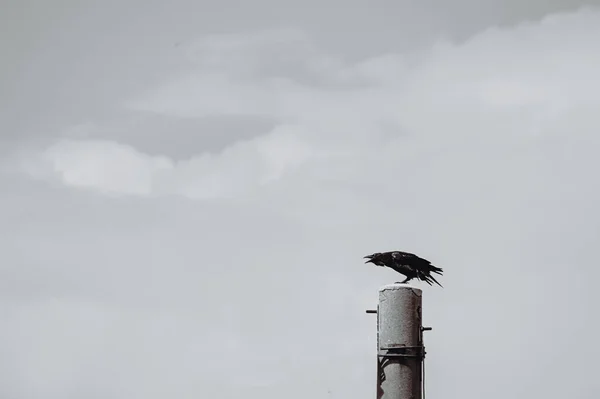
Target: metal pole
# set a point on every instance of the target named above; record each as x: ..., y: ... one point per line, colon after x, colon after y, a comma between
x: 400, y: 350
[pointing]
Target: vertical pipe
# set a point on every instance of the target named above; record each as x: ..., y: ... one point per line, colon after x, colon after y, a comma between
x: 400, y: 342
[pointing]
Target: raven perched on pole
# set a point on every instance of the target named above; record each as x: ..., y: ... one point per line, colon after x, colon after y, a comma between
x: 407, y: 264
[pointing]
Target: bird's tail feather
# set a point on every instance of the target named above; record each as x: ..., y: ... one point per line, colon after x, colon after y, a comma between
x: 433, y: 278
x: 429, y: 279
x: 435, y: 269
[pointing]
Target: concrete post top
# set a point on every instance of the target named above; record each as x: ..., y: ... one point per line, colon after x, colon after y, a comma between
x: 415, y: 290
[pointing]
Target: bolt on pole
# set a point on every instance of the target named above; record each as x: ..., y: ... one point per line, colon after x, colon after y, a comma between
x: 400, y: 350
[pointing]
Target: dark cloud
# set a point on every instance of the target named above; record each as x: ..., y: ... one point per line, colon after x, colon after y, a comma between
x: 74, y: 62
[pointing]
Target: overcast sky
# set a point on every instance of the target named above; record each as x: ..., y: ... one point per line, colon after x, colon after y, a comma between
x: 188, y: 189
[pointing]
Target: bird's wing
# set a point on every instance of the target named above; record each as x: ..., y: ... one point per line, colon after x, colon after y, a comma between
x: 398, y: 255
x: 407, y: 256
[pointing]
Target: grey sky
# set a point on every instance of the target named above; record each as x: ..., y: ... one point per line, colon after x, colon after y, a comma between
x: 188, y: 190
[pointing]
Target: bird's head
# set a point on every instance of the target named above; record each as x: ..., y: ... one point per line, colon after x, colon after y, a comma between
x: 373, y: 258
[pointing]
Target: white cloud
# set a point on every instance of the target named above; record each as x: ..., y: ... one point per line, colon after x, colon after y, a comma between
x: 114, y: 168
x: 512, y: 82
x: 109, y: 167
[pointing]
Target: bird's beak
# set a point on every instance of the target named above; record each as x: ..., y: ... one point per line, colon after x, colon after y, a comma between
x: 369, y: 257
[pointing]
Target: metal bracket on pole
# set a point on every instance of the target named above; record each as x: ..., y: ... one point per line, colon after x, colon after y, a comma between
x: 407, y: 351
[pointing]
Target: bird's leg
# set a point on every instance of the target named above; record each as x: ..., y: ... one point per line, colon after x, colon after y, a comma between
x: 406, y: 280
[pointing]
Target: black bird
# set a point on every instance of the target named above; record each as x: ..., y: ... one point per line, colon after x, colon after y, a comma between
x: 407, y: 264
